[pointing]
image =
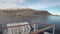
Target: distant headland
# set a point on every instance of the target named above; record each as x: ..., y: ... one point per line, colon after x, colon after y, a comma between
x: 19, y: 12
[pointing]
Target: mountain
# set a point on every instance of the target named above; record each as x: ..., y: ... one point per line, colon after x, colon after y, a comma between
x: 32, y: 12
x: 17, y: 12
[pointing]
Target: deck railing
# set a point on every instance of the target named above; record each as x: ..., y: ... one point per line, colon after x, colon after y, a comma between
x: 43, y: 29
x: 34, y: 31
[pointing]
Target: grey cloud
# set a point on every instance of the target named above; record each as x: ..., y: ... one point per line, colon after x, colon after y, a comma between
x: 10, y: 3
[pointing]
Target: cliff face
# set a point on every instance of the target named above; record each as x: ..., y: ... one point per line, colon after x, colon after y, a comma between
x: 24, y: 12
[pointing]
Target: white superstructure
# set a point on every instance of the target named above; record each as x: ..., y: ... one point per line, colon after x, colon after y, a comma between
x: 18, y: 30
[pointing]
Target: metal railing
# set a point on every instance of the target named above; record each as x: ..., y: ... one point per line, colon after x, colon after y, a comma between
x: 49, y: 26
x: 26, y: 30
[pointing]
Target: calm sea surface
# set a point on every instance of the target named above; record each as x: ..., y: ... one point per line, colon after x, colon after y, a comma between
x: 35, y: 19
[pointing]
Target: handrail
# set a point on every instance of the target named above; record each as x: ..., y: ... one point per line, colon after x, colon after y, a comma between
x: 42, y: 30
x: 13, y: 26
x: 24, y: 25
x: 43, y: 24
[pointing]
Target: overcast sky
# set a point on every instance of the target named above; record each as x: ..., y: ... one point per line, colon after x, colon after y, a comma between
x: 53, y: 6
